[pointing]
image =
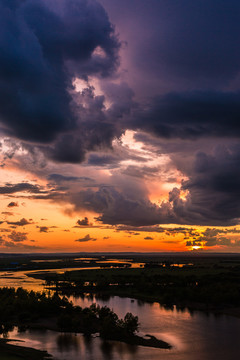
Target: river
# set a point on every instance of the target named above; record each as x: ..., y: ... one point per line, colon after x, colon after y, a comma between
x: 194, y: 336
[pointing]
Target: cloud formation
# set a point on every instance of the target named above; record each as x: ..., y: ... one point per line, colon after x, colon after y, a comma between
x: 83, y: 222
x: 22, y: 222
x: 44, y: 46
x: 18, y: 236
x: 86, y: 239
x: 12, y: 204
x: 20, y: 187
x: 62, y: 103
x: 190, y: 115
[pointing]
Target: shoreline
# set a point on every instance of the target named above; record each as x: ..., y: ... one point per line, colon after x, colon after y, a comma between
x: 191, y: 306
x: 12, y: 352
x: 152, y: 341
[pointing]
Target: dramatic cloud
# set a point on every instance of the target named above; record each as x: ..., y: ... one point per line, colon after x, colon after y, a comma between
x: 44, y: 46
x: 116, y: 207
x: 190, y: 115
x: 178, y: 44
x: 213, y: 187
x: 135, y: 130
x: 86, y: 239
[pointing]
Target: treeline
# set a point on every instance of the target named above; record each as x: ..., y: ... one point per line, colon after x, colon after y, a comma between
x: 212, y: 287
x: 23, y: 308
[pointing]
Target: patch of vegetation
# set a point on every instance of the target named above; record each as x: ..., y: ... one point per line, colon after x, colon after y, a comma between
x: 25, y: 309
x: 208, y: 283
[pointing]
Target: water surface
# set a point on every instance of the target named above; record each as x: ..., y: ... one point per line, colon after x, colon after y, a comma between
x: 194, y: 336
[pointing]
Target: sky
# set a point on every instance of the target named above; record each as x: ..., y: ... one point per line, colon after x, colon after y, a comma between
x: 119, y: 126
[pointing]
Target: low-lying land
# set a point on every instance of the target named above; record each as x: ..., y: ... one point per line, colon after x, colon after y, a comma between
x: 26, y: 309
x: 14, y: 352
x: 211, y: 284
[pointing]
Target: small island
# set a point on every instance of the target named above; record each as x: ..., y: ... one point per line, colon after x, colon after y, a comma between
x: 29, y: 309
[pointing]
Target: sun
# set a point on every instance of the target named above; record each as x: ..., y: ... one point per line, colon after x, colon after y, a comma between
x: 196, y: 247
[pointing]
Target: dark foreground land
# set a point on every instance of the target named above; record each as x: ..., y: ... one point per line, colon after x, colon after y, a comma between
x: 26, y: 309
x: 210, y: 283
x: 206, y: 282
x: 14, y: 352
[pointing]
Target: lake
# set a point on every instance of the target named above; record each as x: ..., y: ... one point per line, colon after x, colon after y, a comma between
x: 194, y: 336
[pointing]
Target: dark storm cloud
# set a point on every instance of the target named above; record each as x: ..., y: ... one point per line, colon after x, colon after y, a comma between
x: 118, y: 207
x: 44, y: 46
x: 211, y: 198
x: 67, y: 149
x: 197, y: 40
x: 185, y: 61
x: 213, y: 187
x: 190, y: 115
x: 185, y: 57
x: 178, y: 44
x: 96, y: 130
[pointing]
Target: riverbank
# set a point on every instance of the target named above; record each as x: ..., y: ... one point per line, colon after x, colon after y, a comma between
x: 148, y: 340
x: 207, y: 287
x: 28, y: 310
x: 189, y: 305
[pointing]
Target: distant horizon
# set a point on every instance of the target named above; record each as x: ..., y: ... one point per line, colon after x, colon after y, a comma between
x: 185, y: 253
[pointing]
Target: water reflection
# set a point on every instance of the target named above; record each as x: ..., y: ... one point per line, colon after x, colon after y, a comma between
x: 67, y: 342
x: 193, y: 335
